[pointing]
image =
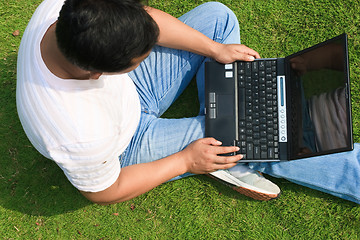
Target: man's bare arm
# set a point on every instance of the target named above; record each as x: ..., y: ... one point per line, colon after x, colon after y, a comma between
x: 199, y: 157
x: 176, y: 34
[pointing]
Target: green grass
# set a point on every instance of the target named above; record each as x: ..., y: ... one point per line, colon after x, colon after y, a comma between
x: 37, y: 202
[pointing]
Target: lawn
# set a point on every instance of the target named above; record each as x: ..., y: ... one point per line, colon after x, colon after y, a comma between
x: 37, y: 202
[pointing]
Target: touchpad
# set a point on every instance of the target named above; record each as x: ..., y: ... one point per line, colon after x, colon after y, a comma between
x: 225, y: 105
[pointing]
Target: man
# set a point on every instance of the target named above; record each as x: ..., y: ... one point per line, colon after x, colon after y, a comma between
x: 92, y: 86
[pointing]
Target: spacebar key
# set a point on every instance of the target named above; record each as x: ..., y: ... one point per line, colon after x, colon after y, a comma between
x: 241, y: 103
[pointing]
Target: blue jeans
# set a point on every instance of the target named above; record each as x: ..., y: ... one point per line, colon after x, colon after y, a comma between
x: 163, y: 76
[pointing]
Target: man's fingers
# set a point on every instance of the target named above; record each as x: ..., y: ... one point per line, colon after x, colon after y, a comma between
x: 233, y: 52
x: 248, y: 52
x: 225, y: 160
x: 211, y: 141
x: 242, y: 56
x: 224, y: 150
x: 253, y: 52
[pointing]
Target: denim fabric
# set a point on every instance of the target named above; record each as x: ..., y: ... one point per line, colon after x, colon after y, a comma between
x: 336, y: 174
x: 163, y: 76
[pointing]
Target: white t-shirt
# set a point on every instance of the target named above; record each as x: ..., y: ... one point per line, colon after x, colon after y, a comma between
x: 83, y: 125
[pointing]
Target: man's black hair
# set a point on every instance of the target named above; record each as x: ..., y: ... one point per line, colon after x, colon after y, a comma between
x: 105, y: 35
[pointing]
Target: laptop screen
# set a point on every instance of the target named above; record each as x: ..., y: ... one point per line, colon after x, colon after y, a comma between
x: 320, y: 100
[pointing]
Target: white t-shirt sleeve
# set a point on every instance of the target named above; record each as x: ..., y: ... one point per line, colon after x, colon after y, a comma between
x: 91, y: 166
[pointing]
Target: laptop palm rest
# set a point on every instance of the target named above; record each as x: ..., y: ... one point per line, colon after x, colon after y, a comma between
x: 220, y: 107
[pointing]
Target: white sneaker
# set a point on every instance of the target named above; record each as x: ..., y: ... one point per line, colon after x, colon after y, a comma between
x: 251, y: 184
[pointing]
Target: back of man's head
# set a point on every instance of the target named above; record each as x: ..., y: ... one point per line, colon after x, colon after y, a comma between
x: 105, y: 35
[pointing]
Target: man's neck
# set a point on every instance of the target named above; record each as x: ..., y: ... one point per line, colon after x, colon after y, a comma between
x: 56, y: 61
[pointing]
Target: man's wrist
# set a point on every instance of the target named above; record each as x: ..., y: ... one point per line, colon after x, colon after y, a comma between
x: 215, y: 50
x: 182, y: 159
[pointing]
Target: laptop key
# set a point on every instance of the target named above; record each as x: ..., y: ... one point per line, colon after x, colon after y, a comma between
x: 268, y: 64
x: 261, y: 65
x: 256, y: 152
x: 241, y: 123
x: 263, y: 154
x: 255, y: 66
x: 250, y: 151
x: 271, y: 153
x: 240, y: 65
x: 248, y: 68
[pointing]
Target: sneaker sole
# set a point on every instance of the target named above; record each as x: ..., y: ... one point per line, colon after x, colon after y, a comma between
x: 247, y: 191
x: 227, y: 177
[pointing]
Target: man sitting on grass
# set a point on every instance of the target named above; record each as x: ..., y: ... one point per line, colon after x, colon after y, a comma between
x: 94, y: 80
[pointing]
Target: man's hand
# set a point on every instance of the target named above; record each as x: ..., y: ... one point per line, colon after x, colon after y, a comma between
x: 201, y: 156
x: 176, y: 34
x: 228, y: 53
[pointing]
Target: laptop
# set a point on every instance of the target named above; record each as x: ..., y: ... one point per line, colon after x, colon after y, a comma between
x: 282, y: 109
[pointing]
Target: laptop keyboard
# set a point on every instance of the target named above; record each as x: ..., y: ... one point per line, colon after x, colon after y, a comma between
x: 258, y: 110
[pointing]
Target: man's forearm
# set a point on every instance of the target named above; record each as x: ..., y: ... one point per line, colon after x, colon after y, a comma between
x: 176, y: 34
x: 201, y: 156
x: 137, y: 179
